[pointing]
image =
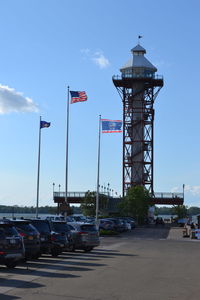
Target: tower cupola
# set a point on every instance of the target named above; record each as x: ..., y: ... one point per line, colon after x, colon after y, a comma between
x: 138, y: 65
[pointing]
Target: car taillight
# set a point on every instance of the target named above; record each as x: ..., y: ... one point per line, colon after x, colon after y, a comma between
x: 22, y: 234
x: 2, y: 252
x: 83, y: 233
x: 53, y: 237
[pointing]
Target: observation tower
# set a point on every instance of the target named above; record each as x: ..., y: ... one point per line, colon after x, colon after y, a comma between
x: 138, y: 87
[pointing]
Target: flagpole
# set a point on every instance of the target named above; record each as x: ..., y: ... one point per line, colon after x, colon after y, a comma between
x: 38, y: 172
x: 67, y: 146
x: 98, y: 169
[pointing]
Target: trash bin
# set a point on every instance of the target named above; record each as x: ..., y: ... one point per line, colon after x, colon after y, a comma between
x: 193, y: 234
x: 197, y: 234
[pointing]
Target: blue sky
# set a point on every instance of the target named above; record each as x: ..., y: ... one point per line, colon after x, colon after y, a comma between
x: 48, y: 45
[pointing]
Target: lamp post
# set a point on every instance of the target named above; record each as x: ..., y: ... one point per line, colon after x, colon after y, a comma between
x: 108, y: 189
x: 53, y: 189
x: 104, y: 190
x: 183, y: 192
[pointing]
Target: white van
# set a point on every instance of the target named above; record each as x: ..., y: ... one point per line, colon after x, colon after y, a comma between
x: 53, y: 217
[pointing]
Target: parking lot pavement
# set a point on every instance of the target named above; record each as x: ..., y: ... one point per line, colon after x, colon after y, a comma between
x: 141, y: 265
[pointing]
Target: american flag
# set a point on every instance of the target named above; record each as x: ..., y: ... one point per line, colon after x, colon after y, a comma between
x: 110, y: 126
x: 78, y: 96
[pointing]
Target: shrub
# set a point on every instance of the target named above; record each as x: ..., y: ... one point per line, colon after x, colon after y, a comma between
x: 108, y: 232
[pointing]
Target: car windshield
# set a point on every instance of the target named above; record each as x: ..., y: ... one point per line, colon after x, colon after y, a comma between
x: 7, y: 231
x: 88, y: 228
x: 41, y: 226
x: 25, y: 227
x: 70, y: 227
x: 60, y: 227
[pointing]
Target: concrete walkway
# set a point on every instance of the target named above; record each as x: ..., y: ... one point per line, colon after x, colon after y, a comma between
x: 176, y: 233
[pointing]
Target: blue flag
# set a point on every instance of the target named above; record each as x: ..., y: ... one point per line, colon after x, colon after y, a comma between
x: 44, y: 124
x: 109, y: 126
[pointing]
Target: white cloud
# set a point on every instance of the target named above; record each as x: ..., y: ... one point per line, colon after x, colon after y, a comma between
x: 162, y: 64
x: 85, y: 51
x: 97, y: 57
x: 175, y: 189
x: 13, y: 101
x: 101, y: 60
x: 193, y: 190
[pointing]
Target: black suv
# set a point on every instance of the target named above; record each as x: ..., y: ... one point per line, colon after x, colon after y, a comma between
x: 65, y: 230
x: 30, y: 236
x: 51, y: 242
x: 11, y: 245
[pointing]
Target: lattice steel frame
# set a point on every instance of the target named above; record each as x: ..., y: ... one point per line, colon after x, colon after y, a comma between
x: 131, y: 166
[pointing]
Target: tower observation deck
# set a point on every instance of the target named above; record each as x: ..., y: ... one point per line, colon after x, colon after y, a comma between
x: 138, y: 87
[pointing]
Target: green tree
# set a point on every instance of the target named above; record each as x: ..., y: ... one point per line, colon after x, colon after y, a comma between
x: 136, y: 203
x: 163, y: 210
x: 88, y: 206
x: 193, y: 210
x: 180, y: 211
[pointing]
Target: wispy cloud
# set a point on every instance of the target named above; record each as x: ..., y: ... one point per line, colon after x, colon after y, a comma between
x: 162, y: 64
x: 194, y: 190
x: 13, y: 101
x: 175, y: 189
x: 96, y: 57
x: 100, y: 60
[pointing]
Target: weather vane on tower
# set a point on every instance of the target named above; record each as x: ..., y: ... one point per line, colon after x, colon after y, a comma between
x: 139, y: 37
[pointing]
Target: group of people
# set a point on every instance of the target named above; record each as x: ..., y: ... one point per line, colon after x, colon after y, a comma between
x: 189, y: 228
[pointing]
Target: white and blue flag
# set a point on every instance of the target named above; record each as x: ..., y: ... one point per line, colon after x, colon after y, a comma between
x: 110, y: 126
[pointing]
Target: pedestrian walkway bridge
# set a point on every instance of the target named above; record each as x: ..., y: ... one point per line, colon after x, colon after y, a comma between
x: 168, y: 198
x: 159, y: 198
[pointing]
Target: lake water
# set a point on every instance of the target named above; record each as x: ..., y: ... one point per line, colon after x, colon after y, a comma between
x: 11, y: 215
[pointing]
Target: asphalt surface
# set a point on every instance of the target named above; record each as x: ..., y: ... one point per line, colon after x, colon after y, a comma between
x: 146, y: 264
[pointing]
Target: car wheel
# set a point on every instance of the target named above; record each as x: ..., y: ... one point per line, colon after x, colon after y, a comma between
x: 37, y: 255
x: 11, y: 264
x: 71, y: 248
x: 88, y: 249
x: 55, y: 252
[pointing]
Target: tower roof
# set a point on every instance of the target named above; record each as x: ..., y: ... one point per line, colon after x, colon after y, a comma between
x: 138, y: 60
x: 138, y: 48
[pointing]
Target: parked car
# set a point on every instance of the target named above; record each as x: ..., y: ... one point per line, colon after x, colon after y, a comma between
x: 51, y: 242
x: 159, y: 221
x: 127, y: 225
x: 11, y: 245
x: 64, y: 230
x: 106, y: 224
x: 130, y: 220
x: 90, y: 220
x: 119, y: 226
x: 30, y: 236
x: 53, y: 217
x: 86, y: 236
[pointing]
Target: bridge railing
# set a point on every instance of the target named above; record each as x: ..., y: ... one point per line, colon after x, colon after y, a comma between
x: 168, y: 195
x: 156, y: 195
x: 81, y: 194
x: 70, y: 194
